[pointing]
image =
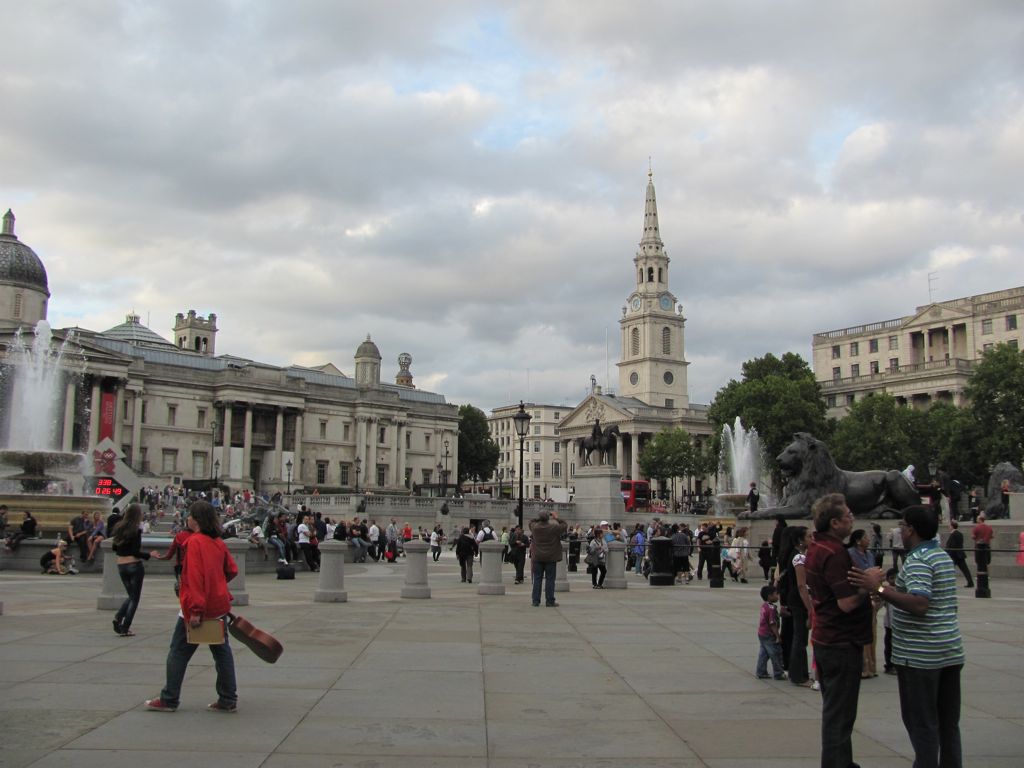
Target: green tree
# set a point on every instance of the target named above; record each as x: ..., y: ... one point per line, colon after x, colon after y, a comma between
x: 875, y: 435
x: 478, y: 453
x: 673, y: 453
x: 996, y: 392
x: 777, y: 397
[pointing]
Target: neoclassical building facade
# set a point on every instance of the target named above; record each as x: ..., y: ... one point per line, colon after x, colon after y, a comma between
x: 921, y: 358
x: 182, y: 413
x: 652, y: 391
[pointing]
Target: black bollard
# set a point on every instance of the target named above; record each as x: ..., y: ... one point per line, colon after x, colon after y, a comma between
x: 982, y: 557
x: 661, y: 562
x: 714, y: 563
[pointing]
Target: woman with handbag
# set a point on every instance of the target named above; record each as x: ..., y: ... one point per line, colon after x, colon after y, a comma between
x: 206, y: 571
x: 597, y: 553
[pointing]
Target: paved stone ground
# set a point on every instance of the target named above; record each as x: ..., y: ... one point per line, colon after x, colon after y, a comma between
x: 642, y: 677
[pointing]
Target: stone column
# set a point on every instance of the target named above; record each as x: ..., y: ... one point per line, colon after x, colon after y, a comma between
x: 361, y: 449
x: 561, y: 568
x: 490, y: 565
x: 225, y: 461
x: 331, y: 585
x: 297, y: 459
x: 69, y: 418
x: 279, y: 472
x: 416, y: 569
x: 370, y: 463
x: 247, y: 444
x: 616, y: 562
x: 136, y: 457
x: 401, y: 428
x: 238, y: 548
x: 94, y: 413
x: 634, y: 459
x: 119, y: 414
x: 112, y: 592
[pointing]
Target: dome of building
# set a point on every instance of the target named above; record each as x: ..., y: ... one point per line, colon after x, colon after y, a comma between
x: 368, y: 349
x: 134, y: 332
x: 18, y: 263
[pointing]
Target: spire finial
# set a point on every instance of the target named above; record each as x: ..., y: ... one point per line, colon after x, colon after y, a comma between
x: 9, y: 223
x: 650, y: 169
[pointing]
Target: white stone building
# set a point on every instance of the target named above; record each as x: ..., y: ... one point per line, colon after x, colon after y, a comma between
x: 547, y: 465
x: 920, y: 358
x: 182, y: 413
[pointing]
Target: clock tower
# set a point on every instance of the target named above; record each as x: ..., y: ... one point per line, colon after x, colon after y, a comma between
x: 652, y: 365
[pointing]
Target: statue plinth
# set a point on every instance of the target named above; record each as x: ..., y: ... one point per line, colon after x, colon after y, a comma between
x: 598, y: 494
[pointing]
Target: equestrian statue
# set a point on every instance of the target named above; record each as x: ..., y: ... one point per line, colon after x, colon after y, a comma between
x: 601, y: 441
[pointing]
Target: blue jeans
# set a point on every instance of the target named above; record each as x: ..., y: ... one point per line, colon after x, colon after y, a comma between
x: 131, y: 575
x: 639, y: 565
x: 930, y: 705
x: 770, y: 649
x: 544, y: 572
x: 839, y: 669
x: 177, y: 663
x: 280, y: 546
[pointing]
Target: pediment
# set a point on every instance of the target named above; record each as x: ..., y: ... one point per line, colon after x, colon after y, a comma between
x: 581, y: 418
x: 936, y: 314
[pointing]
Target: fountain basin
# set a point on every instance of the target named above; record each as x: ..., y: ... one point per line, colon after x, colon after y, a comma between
x: 52, y: 512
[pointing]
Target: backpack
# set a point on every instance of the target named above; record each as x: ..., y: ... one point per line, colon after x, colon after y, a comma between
x: 488, y: 535
x: 339, y: 532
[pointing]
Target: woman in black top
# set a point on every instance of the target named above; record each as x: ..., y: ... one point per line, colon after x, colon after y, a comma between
x: 127, y: 535
x: 27, y: 531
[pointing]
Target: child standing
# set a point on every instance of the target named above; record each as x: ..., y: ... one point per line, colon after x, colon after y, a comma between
x: 768, y: 635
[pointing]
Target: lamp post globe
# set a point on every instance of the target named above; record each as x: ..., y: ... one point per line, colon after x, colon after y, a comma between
x: 521, y: 420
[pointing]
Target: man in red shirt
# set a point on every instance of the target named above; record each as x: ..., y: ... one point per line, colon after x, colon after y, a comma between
x: 842, y: 627
x: 982, y: 536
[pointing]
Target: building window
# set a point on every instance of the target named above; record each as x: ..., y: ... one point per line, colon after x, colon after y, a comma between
x: 874, y: 366
x: 873, y: 346
x: 894, y: 364
x: 201, y: 418
x: 536, y: 429
x: 408, y: 439
x: 634, y: 341
x: 536, y: 491
x: 126, y: 412
x: 850, y: 399
x: 345, y: 432
x: 143, y: 411
x: 536, y: 469
x: 199, y: 464
x: 556, y: 469
x: 170, y: 465
x: 836, y: 352
x: 830, y: 401
x: 558, y: 447
x: 557, y: 415
x: 855, y: 369
x: 426, y: 440
x: 670, y: 403
x: 854, y: 348
x: 382, y: 435
x: 172, y: 415
x: 323, y: 430
x: 321, y: 472
x: 666, y: 341
x: 1012, y: 343
x: 1011, y: 322
x: 988, y: 347
x: 894, y: 342
x: 343, y: 470
x: 426, y: 476
x: 986, y: 326
x: 408, y: 477
x: 382, y: 474
x: 536, y: 446
x: 17, y: 305
x: 837, y: 373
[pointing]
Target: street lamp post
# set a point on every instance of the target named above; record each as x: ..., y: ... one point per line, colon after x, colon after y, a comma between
x: 512, y: 483
x: 445, y: 476
x: 288, y: 465
x: 440, y: 479
x: 216, y: 471
x: 501, y: 475
x: 213, y: 443
x: 521, y: 419
x: 359, y: 463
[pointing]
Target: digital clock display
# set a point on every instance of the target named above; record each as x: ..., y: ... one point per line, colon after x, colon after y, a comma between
x: 107, y: 486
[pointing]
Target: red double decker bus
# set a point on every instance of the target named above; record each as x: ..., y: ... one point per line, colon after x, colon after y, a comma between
x: 636, y: 494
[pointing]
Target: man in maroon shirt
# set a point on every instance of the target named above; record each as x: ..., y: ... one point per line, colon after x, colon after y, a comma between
x: 842, y: 627
x: 982, y: 536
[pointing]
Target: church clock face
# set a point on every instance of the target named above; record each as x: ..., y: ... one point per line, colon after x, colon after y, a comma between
x: 666, y: 302
x: 636, y: 303
x: 668, y: 378
x: 633, y: 378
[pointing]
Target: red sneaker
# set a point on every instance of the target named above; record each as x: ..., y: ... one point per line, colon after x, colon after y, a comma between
x: 220, y: 707
x: 157, y: 705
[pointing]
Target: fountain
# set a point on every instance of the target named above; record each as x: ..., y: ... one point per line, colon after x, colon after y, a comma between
x: 34, y: 473
x: 740, y: 464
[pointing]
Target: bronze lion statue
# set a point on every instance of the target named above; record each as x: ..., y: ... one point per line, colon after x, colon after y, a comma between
x: 811, y: 473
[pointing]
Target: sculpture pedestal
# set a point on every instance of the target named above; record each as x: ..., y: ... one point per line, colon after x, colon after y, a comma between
x: 490, y: 565
x: 598, y: 495
x: 331, y: 586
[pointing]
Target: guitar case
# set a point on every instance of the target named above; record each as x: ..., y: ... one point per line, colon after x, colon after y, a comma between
x: 267, y: 647
x: 286, y: 572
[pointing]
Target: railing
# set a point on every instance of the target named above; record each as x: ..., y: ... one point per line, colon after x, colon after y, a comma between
x: 858, y: 329
x: 954, y: 364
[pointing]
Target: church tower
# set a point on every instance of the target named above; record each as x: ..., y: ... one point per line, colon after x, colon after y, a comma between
x: 652, y: 364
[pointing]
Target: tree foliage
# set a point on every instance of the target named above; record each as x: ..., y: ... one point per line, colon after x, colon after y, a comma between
x: 478, y: 453
x: 996, y: 392
x: 777, y: 397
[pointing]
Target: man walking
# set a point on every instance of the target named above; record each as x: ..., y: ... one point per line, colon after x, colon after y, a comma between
x: 955, y: 550
x: 842, y: 627
x: 927, y: 648
x: 547, y: 531
x: 517, y: 544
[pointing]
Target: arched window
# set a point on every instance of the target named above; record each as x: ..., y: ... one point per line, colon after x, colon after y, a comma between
x: 660, y: 279
x: 650, y: 274
x: 640, y: 277
x: 198, y: 343
x: 17, y: 305
x: 634, y: 341
x: 666, y: 340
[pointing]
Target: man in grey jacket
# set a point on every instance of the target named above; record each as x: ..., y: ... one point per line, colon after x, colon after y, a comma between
x: 547, y: 532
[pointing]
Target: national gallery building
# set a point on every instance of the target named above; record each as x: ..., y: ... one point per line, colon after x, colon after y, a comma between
x: 181, y: 412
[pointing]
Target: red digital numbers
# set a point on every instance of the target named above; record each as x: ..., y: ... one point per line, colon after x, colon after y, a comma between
x: 107, y: 486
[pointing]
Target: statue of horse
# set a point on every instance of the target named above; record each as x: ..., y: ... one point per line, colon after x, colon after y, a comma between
x: 601, y: 441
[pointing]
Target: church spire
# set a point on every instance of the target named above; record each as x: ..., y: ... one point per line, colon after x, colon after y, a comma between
x: 651, y: 244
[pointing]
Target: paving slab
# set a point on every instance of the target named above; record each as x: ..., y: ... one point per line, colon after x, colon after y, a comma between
x: 660, y: 677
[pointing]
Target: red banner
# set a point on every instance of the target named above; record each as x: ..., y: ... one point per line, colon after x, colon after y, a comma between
x: 108, y: 404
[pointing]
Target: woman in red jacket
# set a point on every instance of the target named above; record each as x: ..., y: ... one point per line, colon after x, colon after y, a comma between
x: 206, y: 571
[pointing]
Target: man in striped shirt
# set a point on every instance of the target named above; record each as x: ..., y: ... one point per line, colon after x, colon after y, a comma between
x: 927, y: 647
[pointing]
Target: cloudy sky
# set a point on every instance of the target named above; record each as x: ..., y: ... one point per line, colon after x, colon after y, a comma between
x: 465, y: 181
